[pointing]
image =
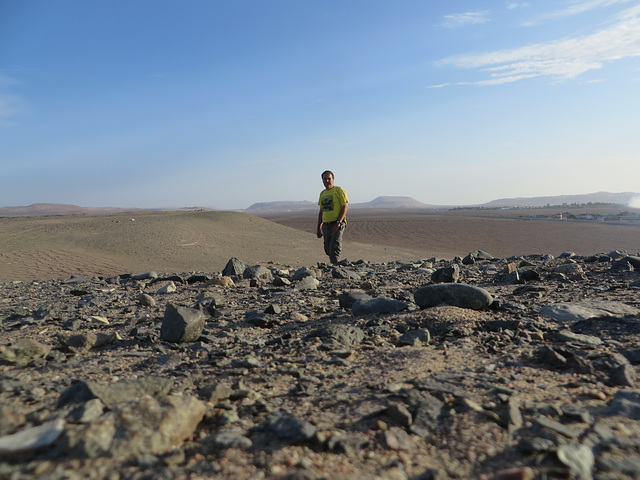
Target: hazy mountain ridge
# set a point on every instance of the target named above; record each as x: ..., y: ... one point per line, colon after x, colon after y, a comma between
x: 627, y: 199
x: 283, y: 206
x: 379, y: 202
x: 623, y: 198
x: 44, y: 209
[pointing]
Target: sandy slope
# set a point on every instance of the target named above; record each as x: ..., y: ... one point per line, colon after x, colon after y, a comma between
x: 39, y: 248
x: 502, y: 233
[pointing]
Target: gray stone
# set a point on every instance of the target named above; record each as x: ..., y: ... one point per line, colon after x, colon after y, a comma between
x: 397, y: 439
x: 345, y: 274
x: 10, y: 419
x: 575, y: 413
x: 281, y: 282
x: 627, y: 465
x: 514, y: 414
x: 569, y: 269
x: 234, y: 267
x: 128, y: 390
x: 400, y: 414
x: 569, y: 336
x: 146, y: 300
x: 528, y: 275
x: 426, y: 411
x: 557, y: 427
x: 258, y: 272
x: 524, y: 289
x: 347, y: 299
x: 262, y: 320
x: 473, y: 257
x: 415, y: 338
x: 146, y: 426
x: 619, y: 369
x: 579, y: 459
x: 347, y: 335
x: 145, y: 276
x: 181, y: 324
x: 454, y: 294
x: 617, y: 253
x: 224, y: 440
x: 536, y: 445
x: 289, y: 427
x: 625, y: 403
x: 89, y: 411
x: 568, y: 312
x: 381, y: 305
x: 215, y: 392
x: 83, y: 342
x: 32, y: 439
x: 622, y: 265
x: 118, y: 392
x: 273, y: 309
x: 170, y: 287
x: 307, y: 283
x: 304, y: 272
x: 24, y: 351
x: 450, y: 274
x: 344, y: 444
x: 633, y: 261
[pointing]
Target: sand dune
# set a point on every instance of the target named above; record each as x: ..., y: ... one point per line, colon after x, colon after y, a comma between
x: 502, y: 233
x: 40, y: 248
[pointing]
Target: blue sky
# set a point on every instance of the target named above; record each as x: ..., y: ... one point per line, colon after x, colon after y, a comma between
x: 222, y: 104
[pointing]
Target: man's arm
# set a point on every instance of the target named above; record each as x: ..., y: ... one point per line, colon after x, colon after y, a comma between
x: 319, y: 232
x: 341, y: 216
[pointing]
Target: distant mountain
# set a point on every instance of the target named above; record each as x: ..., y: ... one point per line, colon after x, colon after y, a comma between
x: 380, y: 202
x: 394, y: 202
x: 627, y: 199
x: 282, y: 206
x: 624, y: 198
x: 43, y: 209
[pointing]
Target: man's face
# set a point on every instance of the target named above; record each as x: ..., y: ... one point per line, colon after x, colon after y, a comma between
x: 327, y: 179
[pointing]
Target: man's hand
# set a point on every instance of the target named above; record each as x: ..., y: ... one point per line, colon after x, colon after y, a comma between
x: 319, y: 232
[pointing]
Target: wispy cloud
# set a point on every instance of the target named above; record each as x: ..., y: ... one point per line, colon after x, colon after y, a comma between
x: 575, y: 7
x: 514, y: 5
x: 10, y: 107
x: 558, y: 60
x: 457, y: 20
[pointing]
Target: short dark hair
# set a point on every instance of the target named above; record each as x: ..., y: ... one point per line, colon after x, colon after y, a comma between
x: 329, y: 172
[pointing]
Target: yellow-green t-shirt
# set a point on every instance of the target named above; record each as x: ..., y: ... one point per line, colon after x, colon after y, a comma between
x: 331, y: 202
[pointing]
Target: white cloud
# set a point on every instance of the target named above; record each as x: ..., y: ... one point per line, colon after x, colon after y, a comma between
x: 456, y: 20
x: 514, y: 5
x: 575, y: 7
x: 10, y: 106
x: 558, y: 60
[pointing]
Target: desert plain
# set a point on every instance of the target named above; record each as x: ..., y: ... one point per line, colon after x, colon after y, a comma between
x: 460, y: 344
x: 57, y: 246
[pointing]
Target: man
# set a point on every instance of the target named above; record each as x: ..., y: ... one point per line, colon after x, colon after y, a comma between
x: 332, y: 216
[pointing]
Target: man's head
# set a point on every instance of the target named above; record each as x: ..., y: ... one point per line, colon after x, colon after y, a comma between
x: 327, y: 179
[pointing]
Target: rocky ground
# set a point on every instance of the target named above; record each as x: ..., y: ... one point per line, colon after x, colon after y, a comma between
x: 518, y: 368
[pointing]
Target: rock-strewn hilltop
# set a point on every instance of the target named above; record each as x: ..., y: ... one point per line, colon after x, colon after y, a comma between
x: 477, y: 367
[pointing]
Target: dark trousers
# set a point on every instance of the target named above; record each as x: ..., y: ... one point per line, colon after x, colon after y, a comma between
x: 332, y: 242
